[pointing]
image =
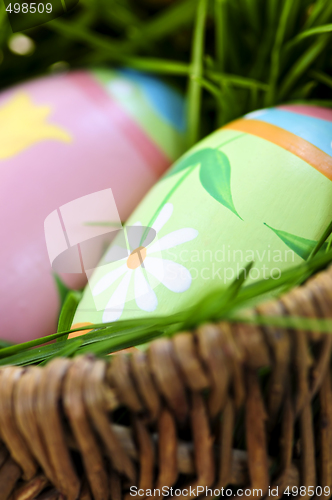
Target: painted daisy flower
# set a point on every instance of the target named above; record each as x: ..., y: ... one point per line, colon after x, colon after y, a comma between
x: 146, y: 267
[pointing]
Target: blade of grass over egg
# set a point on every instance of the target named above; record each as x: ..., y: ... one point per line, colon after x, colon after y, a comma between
x: 125, y: 333
x: 260, y: 288
x: 63, y: 290
x: 16, y: 348
x: 119, y: 342
x: 212, y: 305
x: 5, y: 343
x: 37, y: 355
x: 44, y: 352
x: 194, y: 98
x: 291, y: 284
x: 329, y: 245
x: 68, y: 351
x: 100, y: 332
x: 68, y: 312
x: 321, y: 241
x: 237, y: 284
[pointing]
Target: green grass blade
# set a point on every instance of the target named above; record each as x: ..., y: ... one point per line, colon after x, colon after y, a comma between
x: 154, y: 65
x: 194, y: 99
x: 252, y: 13
x: 322, y: 77
x: 68, y: 312
x: 289, y: 322
x: 119, y: 342
x: 301, y: 66
x: 237, y: 81
x: 270, y: 97
x: 317, y: 30
x: 68, y: 350
x: 210, y: 87
x: 163, y: 24
x: 220, y: 12
x: 5, y: 343
x: 321, y: 241
x: 63, y: 290
x: 100, y: 42
x: 264, y: 287
x: 317, y: 9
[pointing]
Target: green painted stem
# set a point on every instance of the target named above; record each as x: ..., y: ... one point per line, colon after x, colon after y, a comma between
x: 176, y: 185
x: 165, y: 200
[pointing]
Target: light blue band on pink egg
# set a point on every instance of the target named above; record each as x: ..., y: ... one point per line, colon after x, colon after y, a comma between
x: 165, y: 101
x: 317, y: 132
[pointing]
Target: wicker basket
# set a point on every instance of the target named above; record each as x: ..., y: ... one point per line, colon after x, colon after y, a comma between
x: 169, y: 417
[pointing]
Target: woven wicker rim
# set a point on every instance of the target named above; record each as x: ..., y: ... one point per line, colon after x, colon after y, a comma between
x: 185, y: 398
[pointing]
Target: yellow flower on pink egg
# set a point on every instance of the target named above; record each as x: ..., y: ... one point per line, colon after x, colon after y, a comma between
x: 23, y: 123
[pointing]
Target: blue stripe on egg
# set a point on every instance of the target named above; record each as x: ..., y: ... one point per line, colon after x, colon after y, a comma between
x: 317, y: 132
x: 167, y: 102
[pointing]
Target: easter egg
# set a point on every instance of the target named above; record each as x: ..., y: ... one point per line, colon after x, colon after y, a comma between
x: 258, y: 189
x: 63, y: 137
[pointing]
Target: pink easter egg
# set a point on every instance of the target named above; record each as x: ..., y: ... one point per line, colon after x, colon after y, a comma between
x: 64, y: 137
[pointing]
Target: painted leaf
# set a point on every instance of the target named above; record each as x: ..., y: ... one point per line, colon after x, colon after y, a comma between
x: 189, y: 161
x: 301, y: 246
x: 215, y: 176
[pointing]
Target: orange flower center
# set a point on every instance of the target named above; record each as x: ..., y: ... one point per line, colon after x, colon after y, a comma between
x: 136, y: 258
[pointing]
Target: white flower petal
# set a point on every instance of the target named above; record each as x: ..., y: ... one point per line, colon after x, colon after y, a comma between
x: 163, y: 217
x: 115, y: 305
x: 173, y: 276
x: 108, y: 280
x: 173, y: 239
x: 145, y: 297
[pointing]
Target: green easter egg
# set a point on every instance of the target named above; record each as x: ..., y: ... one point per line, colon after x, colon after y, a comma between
x: 257, y: 190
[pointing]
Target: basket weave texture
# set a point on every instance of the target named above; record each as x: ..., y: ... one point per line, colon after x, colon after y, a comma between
x: 171, y: 416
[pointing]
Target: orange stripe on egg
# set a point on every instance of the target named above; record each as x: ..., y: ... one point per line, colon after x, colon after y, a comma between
x: 80, y: 332
x: 291, y: 142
